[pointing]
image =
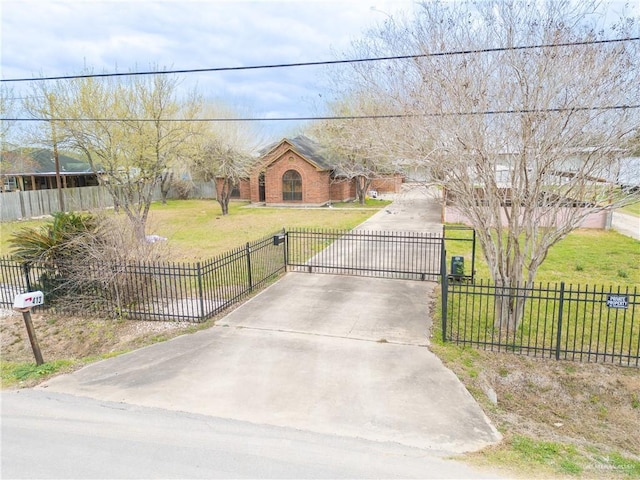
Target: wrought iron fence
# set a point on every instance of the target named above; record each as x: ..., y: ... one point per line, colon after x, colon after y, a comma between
x: 569, y: 322
x: 149, y: 290
x: 404, y: 255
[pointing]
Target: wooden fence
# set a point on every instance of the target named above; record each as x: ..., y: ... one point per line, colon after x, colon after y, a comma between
x: 36, y: 203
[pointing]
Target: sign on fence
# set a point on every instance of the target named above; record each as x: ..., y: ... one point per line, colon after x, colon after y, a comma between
x: 617, y: 301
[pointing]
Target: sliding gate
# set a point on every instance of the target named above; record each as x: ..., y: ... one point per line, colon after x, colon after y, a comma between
x: 404, y: 255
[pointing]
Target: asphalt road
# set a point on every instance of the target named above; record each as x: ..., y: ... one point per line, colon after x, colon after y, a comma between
x: 53, y: 435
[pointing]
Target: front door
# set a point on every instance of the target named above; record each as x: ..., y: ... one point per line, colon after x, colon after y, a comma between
x: 261, y: 190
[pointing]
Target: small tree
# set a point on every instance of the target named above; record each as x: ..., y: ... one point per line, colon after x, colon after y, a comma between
x: 229, y: 166
x: 224, y: 155
x: 355, y: 147
x: 82, y: 259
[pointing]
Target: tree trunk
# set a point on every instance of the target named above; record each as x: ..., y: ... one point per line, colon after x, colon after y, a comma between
x: 509, y: 309
x: 165, y: 186
x: 362, y: 185
x: 224, y: 195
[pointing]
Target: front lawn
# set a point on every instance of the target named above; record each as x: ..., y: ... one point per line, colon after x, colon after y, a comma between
x: 197, y: 230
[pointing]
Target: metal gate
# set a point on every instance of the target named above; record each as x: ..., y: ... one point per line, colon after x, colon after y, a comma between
x: 404, y: 255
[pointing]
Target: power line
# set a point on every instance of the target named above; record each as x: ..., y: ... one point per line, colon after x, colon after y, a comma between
x: 327, y: 62
x: 344, y: 117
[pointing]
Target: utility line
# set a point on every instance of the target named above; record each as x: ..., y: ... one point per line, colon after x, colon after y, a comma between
x: 327, y: 62
x: 345, y: 117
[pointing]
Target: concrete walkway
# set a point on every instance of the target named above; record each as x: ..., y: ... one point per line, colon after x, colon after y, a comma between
x: 626, y: 224
x: 415, y: 209
x: 329, y: 354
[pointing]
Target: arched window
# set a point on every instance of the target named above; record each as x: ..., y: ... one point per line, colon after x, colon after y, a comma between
x: 291, y: 186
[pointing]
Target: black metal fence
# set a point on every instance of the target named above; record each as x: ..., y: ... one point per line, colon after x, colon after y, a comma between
x: 404, y: 255
x: 149, y: 291
x: 584, y: 323
x: 566, y: 322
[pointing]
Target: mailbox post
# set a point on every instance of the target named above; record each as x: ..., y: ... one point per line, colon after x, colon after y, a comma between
x: 23, y: 302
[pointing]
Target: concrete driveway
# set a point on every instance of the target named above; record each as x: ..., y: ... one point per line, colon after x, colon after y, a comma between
x: 329, y: 354
x: 626, y: 224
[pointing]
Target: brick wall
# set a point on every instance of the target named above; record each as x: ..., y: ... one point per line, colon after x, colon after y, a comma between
x: 342, y: 190
x: 315, y: 184
x: 244, y: 187
x: 387, y: 184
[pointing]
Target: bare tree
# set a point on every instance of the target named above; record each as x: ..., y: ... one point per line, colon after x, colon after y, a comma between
x: 525, y: 140
x: 84, y: 259
x: 357, y: 148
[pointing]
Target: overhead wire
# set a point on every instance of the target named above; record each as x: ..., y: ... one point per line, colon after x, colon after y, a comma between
x: 329, y: 62
x: 318, y: 63
x: 340, y: 117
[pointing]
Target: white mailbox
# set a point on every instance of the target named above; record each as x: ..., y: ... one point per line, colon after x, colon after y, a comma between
x: 28, y: 300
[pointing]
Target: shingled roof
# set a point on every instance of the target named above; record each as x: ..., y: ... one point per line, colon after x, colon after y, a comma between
x: 306, y: 147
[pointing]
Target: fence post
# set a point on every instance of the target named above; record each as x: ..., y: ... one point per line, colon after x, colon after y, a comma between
x: 445, y: 289
x: 200, y: 291
x: 285, y: 248
x: 473, y: 257
x: 249, y: 273
x: 25, y: 269
x: 559, y: 332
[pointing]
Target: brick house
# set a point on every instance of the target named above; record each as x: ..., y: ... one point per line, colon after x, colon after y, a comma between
x: 293, y: 171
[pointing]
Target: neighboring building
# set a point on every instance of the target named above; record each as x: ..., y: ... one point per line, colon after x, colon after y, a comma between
x: 35, y: 170
x: 629, y: 173
x: 293, y: 171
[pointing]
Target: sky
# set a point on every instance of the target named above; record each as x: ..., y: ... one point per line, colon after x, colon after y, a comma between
x: 64, y: 37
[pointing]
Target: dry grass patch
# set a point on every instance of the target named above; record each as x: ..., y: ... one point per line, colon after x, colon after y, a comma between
x: 559, y: 419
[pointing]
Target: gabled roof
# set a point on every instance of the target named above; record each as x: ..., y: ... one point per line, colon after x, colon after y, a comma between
x: 303, y: 146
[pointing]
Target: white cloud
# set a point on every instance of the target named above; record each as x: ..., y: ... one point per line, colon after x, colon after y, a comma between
x: 63, y: 37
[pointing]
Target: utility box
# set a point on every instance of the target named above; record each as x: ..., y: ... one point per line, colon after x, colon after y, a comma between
x: 457, y: 266
x: 278, y: 239
x: 28, y: 300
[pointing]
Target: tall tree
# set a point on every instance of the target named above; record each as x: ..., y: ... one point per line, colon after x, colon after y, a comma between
x: 132, y: 133
x: 525, y: 105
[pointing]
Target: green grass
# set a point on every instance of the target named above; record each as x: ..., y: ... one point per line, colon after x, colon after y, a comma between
x: 593, y: 257
x: 12, y: 373
x: 9, y: 228
x: 633, y: 209
x: 590, y: 263
x: 561, y: 460
x: 585, y: 256
x: 197, y: 230
x: 368, y: 203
